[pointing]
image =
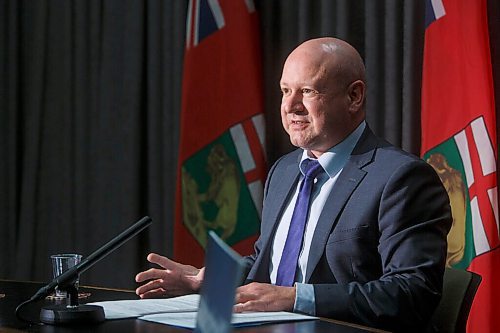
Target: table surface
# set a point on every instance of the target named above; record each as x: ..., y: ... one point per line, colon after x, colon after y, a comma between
x: 12, y: 293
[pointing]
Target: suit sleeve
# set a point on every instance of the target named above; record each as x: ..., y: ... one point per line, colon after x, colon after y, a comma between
x: 250, y: 260
x: 413, y: 220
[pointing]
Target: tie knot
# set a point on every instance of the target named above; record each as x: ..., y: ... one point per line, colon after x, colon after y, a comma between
x: 312, y: 169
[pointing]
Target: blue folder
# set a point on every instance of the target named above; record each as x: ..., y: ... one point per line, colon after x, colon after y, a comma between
x: 223, y: 274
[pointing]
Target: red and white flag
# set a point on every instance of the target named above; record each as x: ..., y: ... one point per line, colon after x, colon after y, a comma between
x: 222, y: 165
x: 459, y: 139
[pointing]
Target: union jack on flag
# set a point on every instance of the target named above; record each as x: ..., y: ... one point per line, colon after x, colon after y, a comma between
x: 434, y: 10
x: 206, y: 17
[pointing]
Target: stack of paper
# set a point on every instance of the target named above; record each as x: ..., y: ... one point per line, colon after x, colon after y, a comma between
x: 181, y: 311
x: 143, y: 307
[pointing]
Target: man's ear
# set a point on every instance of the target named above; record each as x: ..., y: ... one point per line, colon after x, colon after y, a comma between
x: 356, y: 93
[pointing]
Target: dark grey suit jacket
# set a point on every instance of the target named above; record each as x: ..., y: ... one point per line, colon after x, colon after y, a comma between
x: 378, y: 252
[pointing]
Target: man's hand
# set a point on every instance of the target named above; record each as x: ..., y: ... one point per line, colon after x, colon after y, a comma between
x: 264, y: 297
x: 173, y: 279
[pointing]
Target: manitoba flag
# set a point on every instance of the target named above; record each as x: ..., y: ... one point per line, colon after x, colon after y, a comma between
x: 221, y: 155
x: 459, y: 139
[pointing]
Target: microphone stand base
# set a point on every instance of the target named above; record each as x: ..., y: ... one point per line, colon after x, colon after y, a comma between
x: 64, y: 315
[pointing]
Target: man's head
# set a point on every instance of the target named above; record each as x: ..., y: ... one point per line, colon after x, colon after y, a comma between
x: 323, y: 87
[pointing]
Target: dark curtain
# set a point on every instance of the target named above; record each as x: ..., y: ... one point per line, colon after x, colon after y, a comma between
x: 89, y: 114
x: 89, y: 124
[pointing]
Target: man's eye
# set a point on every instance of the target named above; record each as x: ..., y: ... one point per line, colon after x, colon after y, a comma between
x: 307, y: 91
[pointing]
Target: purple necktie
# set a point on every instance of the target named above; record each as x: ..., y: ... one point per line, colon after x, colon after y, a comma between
x: 290, y: 256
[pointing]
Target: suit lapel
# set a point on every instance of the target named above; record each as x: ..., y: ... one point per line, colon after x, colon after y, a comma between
x: 285, y: 187
x: 276, y: 203
x: 350, y: 177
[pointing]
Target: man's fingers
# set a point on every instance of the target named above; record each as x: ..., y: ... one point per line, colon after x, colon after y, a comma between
x: 238, y: 308
x: 150, y: 274
x: 157, y: 293
x: 242, y: 297
x: 201, y: 273
x: 246, y: 300
x: 160, y: 260
x: 142, y: 276
x: 252, y: 305
x: 246, y: 292
x: 151, y: 285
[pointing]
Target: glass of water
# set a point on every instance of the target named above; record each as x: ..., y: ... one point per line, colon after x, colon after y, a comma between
x: 60, y: 264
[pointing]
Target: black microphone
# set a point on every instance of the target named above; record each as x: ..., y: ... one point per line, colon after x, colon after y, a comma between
x: 57, y: 314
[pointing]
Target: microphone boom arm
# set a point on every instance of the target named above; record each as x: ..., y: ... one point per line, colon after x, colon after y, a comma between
x: 70, y: 275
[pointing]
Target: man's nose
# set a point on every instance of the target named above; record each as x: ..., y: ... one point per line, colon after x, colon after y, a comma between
x: 292, y: 103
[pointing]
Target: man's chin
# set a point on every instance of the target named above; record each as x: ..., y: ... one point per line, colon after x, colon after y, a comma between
x: 300, y: 141
x: 298, y: 144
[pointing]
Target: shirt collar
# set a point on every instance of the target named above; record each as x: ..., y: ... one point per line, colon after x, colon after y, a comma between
x: 336, y: 157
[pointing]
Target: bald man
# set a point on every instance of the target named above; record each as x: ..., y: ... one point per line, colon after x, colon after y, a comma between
x: 372, y: 249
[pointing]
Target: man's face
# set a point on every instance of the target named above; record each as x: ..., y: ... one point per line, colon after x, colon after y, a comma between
x: 314, y: 105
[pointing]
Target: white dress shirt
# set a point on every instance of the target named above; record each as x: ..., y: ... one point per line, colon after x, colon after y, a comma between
x: 332, y: 161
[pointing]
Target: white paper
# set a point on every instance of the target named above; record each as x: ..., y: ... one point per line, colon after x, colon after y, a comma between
x: 188, y: 319
x: 141, y: 307
x: 182, y: 311
x: 243, y: 319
